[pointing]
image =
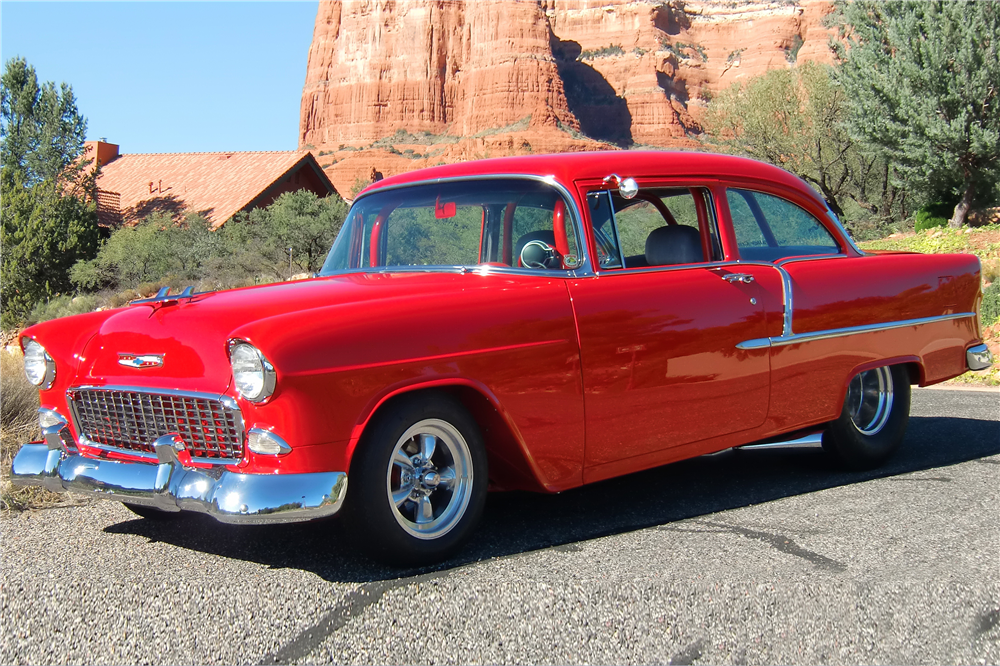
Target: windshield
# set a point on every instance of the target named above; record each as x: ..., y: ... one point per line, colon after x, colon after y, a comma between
x: 505, y: 222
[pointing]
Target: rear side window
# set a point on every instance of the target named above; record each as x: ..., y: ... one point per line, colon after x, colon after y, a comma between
x: 769, y: 228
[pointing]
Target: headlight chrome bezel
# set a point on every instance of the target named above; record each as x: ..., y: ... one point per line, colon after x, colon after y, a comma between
x: 38, y: 354
x: 268, y: 376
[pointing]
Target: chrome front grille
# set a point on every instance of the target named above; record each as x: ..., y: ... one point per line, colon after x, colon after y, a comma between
x: 131, y: 420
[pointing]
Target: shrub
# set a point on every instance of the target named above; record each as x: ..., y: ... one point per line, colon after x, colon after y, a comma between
x: 19, y: 402
x: 932, y: 215
x: 62, y: 306
x: 989, y: 312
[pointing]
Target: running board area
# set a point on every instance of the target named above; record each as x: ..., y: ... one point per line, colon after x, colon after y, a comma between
x: 811, y: 441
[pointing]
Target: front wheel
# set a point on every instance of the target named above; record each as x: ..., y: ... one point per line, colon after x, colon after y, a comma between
x: 873, y: 420
x: 418, y: 481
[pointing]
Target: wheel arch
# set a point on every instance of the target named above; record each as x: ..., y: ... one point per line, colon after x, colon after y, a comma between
x: 913, y: 364
x: 511, y: 466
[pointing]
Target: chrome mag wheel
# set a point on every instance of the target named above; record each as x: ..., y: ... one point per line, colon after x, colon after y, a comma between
x: 430, y: 478
x: 869, y: 400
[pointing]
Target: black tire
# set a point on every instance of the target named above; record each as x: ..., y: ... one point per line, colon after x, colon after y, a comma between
x: 404, y: 509
x: 151, y: 513
x: 873, y: 420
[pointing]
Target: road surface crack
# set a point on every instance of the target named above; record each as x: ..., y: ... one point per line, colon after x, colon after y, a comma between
x: 777, y: 541
x: 367, y: 595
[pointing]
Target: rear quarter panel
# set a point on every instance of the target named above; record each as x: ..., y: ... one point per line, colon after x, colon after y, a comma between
x: 809, y: 379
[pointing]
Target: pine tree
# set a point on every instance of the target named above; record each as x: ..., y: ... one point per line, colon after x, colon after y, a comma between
x: 48, y: 224
x: 921, y: 80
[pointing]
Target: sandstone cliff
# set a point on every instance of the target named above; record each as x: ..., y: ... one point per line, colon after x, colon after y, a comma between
x: 401, y: 84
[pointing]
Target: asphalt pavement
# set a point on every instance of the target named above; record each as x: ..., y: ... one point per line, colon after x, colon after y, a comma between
x: 741, y: 557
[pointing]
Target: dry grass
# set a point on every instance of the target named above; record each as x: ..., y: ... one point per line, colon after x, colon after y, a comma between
x: 18, y: 424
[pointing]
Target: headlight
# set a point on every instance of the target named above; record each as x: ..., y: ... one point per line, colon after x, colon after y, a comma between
x: 38, y: 365
x: 253, y: 374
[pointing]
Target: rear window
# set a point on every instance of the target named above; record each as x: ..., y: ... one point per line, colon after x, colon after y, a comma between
x: 769, y: 228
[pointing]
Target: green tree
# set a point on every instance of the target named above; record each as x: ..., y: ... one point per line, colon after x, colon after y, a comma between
x: 41, y: 131
x: 48, y: 224
x: 42, y: 234
x: 144, y: 253
x: 921, y: 81
x: 258, y: 241
x: 251, y: 247
x: 794, y: 118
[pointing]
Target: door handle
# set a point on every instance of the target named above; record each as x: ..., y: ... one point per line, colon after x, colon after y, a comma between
x: 745, y: 278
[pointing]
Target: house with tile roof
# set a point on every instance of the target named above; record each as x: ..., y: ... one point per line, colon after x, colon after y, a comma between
x: 214, y: 185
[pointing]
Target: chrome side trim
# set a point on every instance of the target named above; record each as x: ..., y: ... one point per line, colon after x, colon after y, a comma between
x: 978, y: 357
x: 782, y: 341
x: 169, y: 486
x: 786, y: 295
x: 584, y: 269
x: 757, y: 343
x: 811, y: 441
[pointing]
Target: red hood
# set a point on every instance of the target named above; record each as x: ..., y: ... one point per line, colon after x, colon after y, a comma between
x: 191, y: 335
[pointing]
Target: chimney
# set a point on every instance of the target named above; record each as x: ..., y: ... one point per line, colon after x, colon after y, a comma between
x: 100, y: 151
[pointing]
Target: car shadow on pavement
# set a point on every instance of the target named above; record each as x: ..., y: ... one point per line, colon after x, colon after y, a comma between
x: 518, y: 522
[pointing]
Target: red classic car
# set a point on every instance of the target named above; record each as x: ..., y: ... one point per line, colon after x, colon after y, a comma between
x: 520, y: 323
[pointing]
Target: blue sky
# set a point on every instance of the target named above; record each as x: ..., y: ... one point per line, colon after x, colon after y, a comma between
x: 158, y: 77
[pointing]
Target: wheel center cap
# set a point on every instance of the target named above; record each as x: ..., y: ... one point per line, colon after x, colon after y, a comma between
x: 430, y: 479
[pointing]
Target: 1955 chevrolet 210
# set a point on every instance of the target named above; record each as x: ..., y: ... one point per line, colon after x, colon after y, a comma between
x: 531, y: 323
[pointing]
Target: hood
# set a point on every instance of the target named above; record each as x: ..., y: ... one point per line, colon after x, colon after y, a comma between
x: 191, y: 335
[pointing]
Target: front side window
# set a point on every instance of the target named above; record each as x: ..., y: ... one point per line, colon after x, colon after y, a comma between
x: 769, y: 228
x: 512, y: 223
x: 661, y: 226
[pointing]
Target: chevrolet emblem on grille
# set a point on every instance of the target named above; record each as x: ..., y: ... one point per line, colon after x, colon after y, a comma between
x: 140, y: 360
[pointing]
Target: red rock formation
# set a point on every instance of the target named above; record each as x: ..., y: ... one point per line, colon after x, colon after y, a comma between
x: 400, y: 84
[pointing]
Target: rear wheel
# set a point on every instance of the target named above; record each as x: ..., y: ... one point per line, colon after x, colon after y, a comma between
x: 873, y: 420
x: 418, y: 481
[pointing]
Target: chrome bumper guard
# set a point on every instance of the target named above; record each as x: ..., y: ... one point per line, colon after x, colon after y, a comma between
x: 170, y: 486
x: 978, y: 357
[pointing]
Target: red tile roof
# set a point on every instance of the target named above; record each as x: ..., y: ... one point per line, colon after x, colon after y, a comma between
x: 216, y: 185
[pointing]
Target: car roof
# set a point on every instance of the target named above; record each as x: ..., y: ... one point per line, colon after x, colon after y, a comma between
x: 569, y: 167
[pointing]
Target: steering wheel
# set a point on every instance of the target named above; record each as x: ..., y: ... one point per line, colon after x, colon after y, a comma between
x: 539, y: 254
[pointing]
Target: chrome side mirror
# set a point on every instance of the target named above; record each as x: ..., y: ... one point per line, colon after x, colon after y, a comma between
x: 627, y: 187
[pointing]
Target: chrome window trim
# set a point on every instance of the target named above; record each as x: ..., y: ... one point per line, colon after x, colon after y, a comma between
x: 228, y: 402
x: 615, y: 231
x: 809, y: 257
x: 842, y: 229
x: 827, y: 334
x: 584, y: 269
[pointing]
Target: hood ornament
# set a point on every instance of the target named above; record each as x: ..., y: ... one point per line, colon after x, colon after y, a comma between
x: 163, y: 297
x: 140, y: 360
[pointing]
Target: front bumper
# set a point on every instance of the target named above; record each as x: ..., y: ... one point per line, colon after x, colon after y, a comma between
x: 167, y: 485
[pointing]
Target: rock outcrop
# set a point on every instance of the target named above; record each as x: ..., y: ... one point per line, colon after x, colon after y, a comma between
x: 401, y: 84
